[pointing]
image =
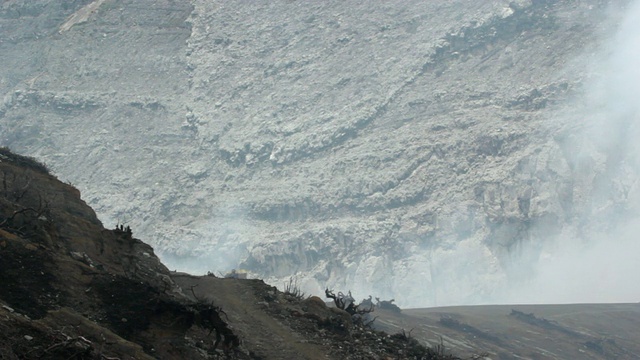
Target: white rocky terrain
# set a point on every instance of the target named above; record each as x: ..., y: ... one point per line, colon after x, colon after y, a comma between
x: 435, y: 152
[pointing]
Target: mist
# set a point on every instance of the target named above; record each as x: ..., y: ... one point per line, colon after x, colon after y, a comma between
x: 216, y: 245
x: 597, y: 259
x: 277, y: 156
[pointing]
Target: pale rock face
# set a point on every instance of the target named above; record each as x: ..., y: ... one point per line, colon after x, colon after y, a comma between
x: 423, y: 151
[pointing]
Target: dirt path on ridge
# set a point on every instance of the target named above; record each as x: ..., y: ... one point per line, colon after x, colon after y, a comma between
x: 262, y: 334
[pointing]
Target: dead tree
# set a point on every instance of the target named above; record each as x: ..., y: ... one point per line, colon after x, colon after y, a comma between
x: 347, y: 303
x: 29, y: 211
x: 338, y: 300
x: 366, y: 302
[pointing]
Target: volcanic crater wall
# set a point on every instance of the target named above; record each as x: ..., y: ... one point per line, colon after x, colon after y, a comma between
x: 358, y: 145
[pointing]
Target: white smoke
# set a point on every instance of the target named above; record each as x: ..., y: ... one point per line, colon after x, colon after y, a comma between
x: 601, y: 262
x: 216, y: 245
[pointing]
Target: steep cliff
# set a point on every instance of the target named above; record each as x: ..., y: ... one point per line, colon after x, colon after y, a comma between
x: 364, y: 146
x: 71, y: 289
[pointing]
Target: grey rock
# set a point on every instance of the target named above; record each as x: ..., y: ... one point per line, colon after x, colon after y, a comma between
x: 405, y: 150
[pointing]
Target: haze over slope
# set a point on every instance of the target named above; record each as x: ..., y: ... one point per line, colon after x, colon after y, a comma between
x: 604, y: 253
x: 429, y: 151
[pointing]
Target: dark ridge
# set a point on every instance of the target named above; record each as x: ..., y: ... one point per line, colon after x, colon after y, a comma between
x: 543, y: 323
x: 24, y: 161
x: 455, y: 324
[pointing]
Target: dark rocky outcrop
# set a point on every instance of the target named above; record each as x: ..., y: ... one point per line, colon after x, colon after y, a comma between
x: 71, y: 289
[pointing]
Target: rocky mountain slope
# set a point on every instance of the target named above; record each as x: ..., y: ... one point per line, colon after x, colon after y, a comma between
x: 356, y: 145
x: 71, y: 289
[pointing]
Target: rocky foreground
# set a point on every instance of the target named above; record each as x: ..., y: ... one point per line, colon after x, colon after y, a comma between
x: 71, y: 289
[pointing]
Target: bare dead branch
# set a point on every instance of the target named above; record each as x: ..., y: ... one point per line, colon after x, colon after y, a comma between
x: 194, y: 293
